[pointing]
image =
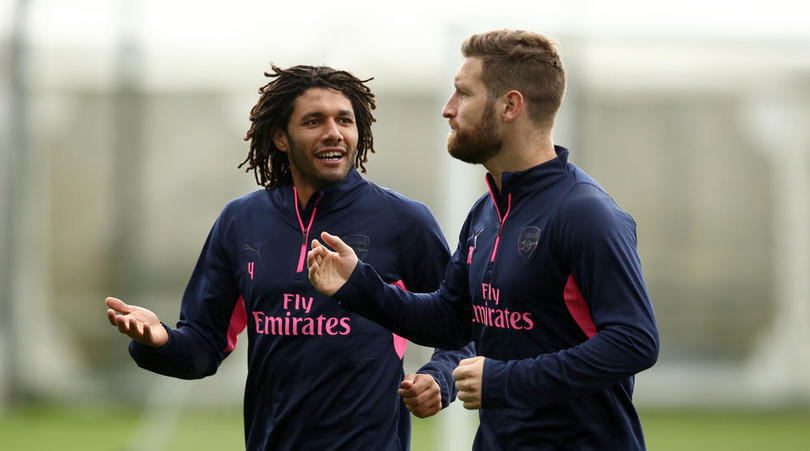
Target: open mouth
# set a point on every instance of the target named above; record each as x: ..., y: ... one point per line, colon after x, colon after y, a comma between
x: 331, y: 154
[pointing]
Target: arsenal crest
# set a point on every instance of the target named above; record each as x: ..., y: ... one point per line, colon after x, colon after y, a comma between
x: 359, y: 243
x: 527, y: 242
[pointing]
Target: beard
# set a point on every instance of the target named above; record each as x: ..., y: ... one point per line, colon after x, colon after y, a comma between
x: 478, y: 144
x: 304, y: 164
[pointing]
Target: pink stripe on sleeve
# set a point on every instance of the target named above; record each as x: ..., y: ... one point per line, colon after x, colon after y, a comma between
x: 400, y: 343
x: 237, y: 324
x: 578, y: 308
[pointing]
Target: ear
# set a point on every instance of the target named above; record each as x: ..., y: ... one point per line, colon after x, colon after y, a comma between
x: 280, y: 140
x: 512, y: 105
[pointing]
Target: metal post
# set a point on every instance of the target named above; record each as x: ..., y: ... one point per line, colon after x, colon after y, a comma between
x: 13, y: 169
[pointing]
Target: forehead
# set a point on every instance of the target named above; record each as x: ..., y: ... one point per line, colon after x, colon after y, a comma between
x: 470, y: 72
x: 323, y: 101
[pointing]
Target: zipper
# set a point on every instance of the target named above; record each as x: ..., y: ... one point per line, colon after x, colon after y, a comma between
x: 304, y: 230
x: 501, y: 219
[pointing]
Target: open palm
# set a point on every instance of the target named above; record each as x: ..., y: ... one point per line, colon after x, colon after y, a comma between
x: 136, y: 322
x: 329, y: 270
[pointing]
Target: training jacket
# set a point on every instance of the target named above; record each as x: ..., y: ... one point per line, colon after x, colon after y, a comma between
x: 547, y: 280
x: 319, y: 377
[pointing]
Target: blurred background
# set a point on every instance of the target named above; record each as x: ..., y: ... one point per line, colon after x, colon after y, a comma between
x: 121, y: 126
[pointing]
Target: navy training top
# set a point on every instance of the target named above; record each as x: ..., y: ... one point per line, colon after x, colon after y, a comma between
x: 319, y: 377
x: 547, y: 280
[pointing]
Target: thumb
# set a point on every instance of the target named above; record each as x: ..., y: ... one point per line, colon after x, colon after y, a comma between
x: 118, y: 305
x: 408, y: 380
x: 336, y: 243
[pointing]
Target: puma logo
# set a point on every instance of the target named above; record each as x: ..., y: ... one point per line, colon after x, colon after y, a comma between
x: 474, y: 245
x: 256, y: 250
x: 475, y: 236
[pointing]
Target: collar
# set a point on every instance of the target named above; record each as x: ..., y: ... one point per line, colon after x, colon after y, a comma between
x: 333, y: 197
x: 532, y: 180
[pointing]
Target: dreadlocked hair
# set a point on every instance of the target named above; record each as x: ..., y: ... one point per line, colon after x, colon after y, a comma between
x: 271, y: 166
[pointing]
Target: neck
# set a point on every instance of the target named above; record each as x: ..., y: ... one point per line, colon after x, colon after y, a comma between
x: 303, y: 193
x: 519, y: 155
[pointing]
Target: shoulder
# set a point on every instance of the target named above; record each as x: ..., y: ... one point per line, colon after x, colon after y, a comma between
x: 402, y: 207
x: 482, y: 202
x: 246, y: 202
x: 586, y: 210
x: 242, y: 209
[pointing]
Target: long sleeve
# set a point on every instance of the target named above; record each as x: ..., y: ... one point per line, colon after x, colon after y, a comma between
x: 599, y: 242
x: 424, y: 259
x: 441, y: 366
x: 200, y: 341
x: 439, y: 319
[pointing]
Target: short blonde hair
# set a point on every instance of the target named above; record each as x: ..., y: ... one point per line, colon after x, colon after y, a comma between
x: 524, y: 61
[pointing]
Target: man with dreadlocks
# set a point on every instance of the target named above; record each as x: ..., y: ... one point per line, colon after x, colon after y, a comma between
x: 319, y: 377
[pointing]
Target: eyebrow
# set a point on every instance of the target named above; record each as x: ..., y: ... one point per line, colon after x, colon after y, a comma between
x: 315, y: 114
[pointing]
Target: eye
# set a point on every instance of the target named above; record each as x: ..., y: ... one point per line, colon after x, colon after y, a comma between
x: 346, y: 120
x: 312, y: 122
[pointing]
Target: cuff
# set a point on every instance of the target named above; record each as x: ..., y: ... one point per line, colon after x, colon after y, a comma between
x: 493, y: 384
x: 140, y: 351
x: 356, y: 285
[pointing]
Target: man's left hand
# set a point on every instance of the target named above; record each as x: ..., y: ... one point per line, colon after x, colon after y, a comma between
x: 468, y: 375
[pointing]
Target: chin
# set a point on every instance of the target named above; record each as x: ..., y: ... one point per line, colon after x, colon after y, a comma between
x: 334, y: 176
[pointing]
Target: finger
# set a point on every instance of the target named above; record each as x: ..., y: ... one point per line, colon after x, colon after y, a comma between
x: 409, y: 379
x: 136, y: 327
x: 461, y: 385
x: 123, y: 325
x: 459, y: 373
x: 313, y: 273
x: 317, y: 249
x: 407, y: 390
x: 140, y: 326
x: 311, y: 256
x: 465, y: 368
x: 336, y: 243
x: 411, y: 404
x: 111, y: 316
x: 468, y: 361
x: 424, y: 382
x: 313, y: 253
x: 426, y: 405
x: 118, y: 305
x: 428, y: 397
x: 316, y: 255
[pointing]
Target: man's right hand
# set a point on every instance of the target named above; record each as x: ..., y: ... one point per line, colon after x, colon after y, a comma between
x: 328, y: 271
x: 137, y: 322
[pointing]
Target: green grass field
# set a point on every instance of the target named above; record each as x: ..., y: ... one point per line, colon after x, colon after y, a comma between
x: 120, y: 429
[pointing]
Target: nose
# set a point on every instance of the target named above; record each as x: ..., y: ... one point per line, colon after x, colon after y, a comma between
x: 449, y: 110
x: 332, y: 132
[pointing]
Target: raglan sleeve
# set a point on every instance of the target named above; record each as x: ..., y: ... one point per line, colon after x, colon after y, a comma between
x: 211, y: 315
x: 425, y: 259
x: 441, y: 318
x: 597, y: 241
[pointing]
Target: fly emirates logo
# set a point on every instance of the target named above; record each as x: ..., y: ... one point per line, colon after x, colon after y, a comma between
x: 295, y: 323
x: 498, y: 317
